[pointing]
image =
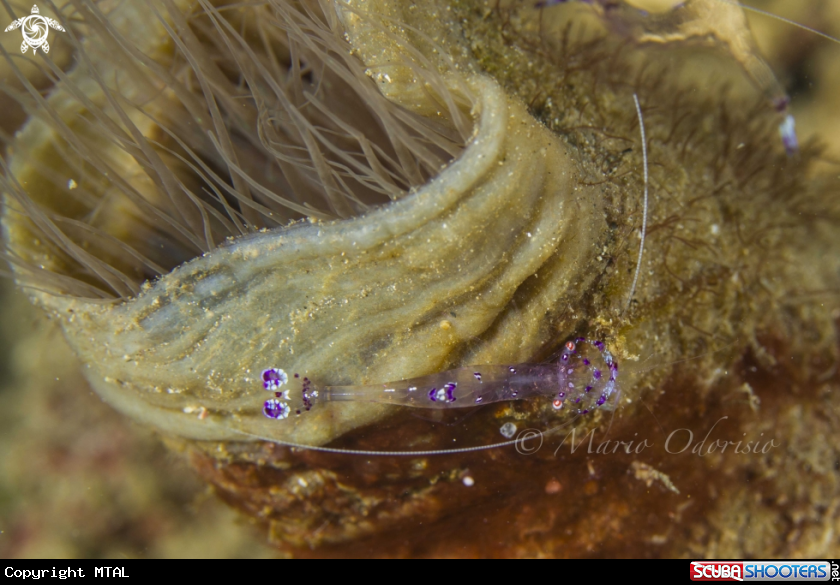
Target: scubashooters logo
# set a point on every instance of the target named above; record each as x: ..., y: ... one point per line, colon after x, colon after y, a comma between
x: 35, y: 29
x: 764, y: 571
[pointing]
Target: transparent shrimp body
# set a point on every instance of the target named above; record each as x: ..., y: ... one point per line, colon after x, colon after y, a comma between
x: 582, y: 379
x: 719, y: 23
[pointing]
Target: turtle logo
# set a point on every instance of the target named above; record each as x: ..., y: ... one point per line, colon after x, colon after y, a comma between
x: 35, y: 29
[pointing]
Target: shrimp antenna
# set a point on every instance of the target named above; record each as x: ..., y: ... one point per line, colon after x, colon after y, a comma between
x: 782, y: 19
x: 645, y: 207
x: 338, y: 451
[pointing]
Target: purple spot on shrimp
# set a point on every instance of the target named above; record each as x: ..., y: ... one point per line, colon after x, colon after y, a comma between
x: 478, y: 400
x: 477, y: 376
x: 599, y: 345
x: 580, y: 340
x: 450, y: 391
x: 588, y: 389
x: 586, y: 362
x: 561, y: 395
x: 565, y: 357
x: 433, y: 394
x: 787, y: 130
x: 276, y: 409
x: 273, y: 378
x: 596, y: 373
x: 297, y: 375
x: 577, y: 399
x: 307, y: 403
x: 585, y: 411
x: 512, y: 370
x: 602, y: 400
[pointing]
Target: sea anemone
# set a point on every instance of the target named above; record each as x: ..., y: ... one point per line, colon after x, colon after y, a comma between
x: 365, y: 193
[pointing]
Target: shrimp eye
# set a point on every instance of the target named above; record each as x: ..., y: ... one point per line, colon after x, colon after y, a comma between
x: 570, y: 345
x: 557, y: 404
